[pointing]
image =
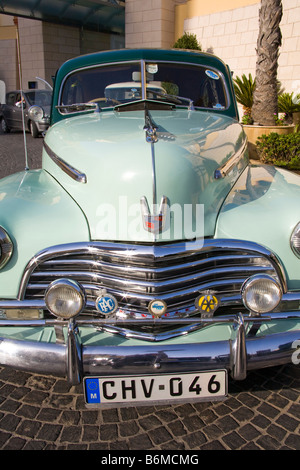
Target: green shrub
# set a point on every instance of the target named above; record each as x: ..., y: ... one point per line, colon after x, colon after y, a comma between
x: 188, y: 41
x: 280, y: 150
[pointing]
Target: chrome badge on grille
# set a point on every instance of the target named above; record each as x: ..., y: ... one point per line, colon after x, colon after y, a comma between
x: 207, y: 303
x: 106, y: 303
x: 154, y: 223
x: 157, y: 308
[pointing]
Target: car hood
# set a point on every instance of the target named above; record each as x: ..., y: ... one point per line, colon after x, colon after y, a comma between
x: 162, y: 155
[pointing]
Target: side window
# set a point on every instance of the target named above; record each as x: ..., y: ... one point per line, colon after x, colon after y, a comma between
x: 10, y: 99
x: 17, y: 99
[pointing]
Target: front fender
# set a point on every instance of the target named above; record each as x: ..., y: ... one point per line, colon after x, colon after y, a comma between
x: 264, y: 207
x: 36, y: 212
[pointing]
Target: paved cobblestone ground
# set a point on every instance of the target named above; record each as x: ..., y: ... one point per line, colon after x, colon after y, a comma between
x: 42, y: 412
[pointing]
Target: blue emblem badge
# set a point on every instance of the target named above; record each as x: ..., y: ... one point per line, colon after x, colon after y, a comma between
x: 212, y: 74
x: 157, y: 308
x: 106, y: 303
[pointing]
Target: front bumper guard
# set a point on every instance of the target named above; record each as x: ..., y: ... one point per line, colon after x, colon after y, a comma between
x: 239, y: 354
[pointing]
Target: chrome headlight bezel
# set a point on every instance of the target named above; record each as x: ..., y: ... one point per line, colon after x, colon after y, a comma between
x: 295, y: 240
x: 6, y: 247
x: 273, y: 293
x: 36, y: 113
x: 66, y: 310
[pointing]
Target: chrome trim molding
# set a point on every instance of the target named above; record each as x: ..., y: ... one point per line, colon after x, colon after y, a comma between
x: 181, y: 326
x: 239, y: 350
x: 233, y: 161
x: 68, y: 169
x: 6, y: 248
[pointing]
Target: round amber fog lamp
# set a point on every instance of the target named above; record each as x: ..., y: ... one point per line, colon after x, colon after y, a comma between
x: 261, y: 293
x: 65, y: 298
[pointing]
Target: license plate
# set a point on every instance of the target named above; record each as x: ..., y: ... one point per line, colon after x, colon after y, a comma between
x: 135, y: 390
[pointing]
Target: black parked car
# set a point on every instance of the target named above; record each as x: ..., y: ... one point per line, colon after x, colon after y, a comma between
x: 11, y: 112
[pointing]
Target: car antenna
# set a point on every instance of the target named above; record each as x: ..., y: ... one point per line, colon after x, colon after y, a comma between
x: 21, y: 90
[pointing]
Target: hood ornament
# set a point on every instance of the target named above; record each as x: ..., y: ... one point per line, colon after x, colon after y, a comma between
x: 150, y: 129
x: 154, y: 223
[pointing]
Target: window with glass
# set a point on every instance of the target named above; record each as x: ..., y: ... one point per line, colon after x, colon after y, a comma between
x: 179, y: 84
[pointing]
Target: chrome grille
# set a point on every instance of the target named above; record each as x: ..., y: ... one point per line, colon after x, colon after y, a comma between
x: 136, y: 274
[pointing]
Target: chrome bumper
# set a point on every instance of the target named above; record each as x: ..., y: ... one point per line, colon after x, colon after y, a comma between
x: 74, y: 361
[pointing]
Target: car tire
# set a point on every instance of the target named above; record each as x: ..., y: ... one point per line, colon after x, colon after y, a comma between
x: 33, y: 129
x: 4, y: 126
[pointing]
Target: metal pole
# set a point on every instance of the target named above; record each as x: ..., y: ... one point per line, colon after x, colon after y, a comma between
x: 21, y: 89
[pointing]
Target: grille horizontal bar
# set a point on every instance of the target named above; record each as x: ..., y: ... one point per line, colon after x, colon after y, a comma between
x: 137, y: 274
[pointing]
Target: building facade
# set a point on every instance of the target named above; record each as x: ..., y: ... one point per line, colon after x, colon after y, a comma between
x: 228, y: 29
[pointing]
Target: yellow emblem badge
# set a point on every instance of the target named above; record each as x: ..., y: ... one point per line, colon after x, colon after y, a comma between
x: 207, y: 303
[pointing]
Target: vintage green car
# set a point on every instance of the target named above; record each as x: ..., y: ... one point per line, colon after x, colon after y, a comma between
x: 148, y: 259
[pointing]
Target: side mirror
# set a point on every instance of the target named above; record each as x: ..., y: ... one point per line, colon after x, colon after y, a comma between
x: 19, y: 104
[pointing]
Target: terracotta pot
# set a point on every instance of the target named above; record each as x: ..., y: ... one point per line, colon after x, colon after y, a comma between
x: 253, y: 132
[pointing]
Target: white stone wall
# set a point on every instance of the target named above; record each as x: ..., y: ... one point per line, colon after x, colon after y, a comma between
x: 8, y: 63
x: 32, y: 51
x: 232, y: 35
x: 150, y: 23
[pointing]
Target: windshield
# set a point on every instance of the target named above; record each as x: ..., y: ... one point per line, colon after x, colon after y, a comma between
x: 39, y: 97
x: 176, y: 83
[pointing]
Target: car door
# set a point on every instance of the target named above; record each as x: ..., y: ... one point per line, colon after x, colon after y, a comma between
x: 16, y: 114
x: 8, y: 108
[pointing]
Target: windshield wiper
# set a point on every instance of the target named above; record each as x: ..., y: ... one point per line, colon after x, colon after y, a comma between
x: 76, y: 107
x: 141, y: 105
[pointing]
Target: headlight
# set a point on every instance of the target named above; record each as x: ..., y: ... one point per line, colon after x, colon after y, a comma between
x: 295, y: 240
x: 6, y: 247
x: 261, y: 293
x: 36, y: 113
x: 65, y: 298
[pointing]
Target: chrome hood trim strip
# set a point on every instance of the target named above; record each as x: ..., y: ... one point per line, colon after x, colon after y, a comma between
x: 68, y: 169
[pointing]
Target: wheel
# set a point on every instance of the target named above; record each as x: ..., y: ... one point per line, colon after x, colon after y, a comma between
x: 4, y: 126
x: 33, y: 129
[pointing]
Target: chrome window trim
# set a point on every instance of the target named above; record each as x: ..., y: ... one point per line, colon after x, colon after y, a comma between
x: 142, y: 63
x: 143, y: 79
x: 64, y: 166
x: 89, y: 67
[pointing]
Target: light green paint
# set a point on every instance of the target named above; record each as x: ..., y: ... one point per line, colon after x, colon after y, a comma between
x: 36, y: 213
x: 111, y: 149
x: 264, y: 207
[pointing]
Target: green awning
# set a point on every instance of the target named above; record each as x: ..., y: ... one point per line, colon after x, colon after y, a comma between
x: 97, y: 15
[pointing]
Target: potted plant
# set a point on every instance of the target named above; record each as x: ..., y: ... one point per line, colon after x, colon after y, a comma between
x: 244, y: 89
